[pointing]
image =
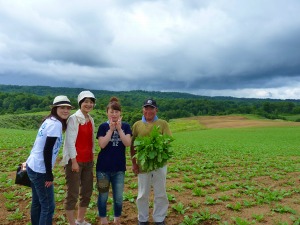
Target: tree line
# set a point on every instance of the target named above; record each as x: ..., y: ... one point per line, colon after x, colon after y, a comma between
x: 22, y: 99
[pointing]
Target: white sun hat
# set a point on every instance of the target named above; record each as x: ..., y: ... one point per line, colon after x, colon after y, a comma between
x: 85, y: 94
x: 61, y: 100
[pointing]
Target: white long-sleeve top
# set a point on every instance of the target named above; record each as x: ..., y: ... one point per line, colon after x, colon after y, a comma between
x: 69, y: 149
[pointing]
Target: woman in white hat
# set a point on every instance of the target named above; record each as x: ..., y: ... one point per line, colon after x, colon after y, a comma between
x: 42, y: 159
x: 78, y: 155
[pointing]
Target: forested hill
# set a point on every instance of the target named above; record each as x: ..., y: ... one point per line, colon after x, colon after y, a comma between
x: 73, y: 92
x: 20, y: 99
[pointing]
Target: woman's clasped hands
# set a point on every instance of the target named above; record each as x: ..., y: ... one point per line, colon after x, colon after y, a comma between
x: 115, y: 124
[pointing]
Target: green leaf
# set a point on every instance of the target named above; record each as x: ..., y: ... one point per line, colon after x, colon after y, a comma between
x: 153, y: 151
x: 152, y: 155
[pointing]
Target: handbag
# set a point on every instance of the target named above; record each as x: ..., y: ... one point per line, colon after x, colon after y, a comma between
x: 22, y: 176
x: 103, y: 185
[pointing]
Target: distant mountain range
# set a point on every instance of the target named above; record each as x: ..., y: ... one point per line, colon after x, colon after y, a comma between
x: 73, y: 92
x: 20, y: 99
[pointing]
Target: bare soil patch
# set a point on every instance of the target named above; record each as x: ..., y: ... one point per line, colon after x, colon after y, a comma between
x: 240, y: 121
x: 186, y: 198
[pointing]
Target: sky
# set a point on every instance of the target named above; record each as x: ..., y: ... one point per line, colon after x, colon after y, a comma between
x: 206, y: 47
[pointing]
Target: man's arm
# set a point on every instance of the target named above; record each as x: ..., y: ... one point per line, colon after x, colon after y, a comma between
x: 135, y: 167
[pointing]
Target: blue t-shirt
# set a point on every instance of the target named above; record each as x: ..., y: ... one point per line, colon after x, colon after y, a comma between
x: 112, y: 158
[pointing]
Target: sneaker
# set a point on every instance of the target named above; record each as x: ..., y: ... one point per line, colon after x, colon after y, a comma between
x: 116, y: 222
x: 82, y: 223
x: 103, y: 221
x: 160, y: 223
x: 143, y: 223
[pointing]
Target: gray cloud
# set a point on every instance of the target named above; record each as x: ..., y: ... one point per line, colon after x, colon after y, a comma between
x: 216, y: 47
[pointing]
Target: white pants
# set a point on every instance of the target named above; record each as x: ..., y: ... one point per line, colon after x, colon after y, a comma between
x: 158, y: 180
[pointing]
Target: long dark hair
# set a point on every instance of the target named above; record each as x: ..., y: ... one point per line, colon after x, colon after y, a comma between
x: 53, y: 113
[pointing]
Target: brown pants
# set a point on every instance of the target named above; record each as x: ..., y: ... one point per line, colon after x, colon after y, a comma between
x: 79, y: 185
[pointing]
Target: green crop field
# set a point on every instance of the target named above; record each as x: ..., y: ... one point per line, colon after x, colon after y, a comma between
x: 217, y: 176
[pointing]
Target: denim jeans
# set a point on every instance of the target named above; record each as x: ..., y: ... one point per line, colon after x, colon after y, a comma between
x: 116, y: 179
x: 43, y: 203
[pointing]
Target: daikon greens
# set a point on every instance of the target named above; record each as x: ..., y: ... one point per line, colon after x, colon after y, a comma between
x: 153, y: 151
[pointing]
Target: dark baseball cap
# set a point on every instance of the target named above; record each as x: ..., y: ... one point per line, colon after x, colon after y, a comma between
x: 150, y: 102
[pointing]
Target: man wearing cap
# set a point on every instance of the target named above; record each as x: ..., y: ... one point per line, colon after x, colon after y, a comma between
x: 156, y: 178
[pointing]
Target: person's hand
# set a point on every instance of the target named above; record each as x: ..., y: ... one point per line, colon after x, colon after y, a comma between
x: 135, y: 169
x: 48, y: 183
x: 112, y: 124
x: 119, y: 124
x: 49, y: 179
x: 75, y: 166
x: 23, y: 166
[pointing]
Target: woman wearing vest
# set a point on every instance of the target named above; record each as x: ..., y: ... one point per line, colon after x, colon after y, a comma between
x: 78, y: 156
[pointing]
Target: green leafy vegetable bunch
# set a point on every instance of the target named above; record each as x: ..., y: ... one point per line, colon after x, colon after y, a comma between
x: 153, y: 151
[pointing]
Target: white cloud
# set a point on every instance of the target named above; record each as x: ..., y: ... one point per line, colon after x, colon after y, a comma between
x: 272, y: 93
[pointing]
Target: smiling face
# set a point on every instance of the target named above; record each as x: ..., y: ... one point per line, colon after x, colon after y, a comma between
x: 149, y: 113
x: 87, y: 105
x: 63, y: 112
x: 113, y: 114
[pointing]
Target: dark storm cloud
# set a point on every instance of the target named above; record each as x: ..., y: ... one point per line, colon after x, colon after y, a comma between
x: 211, y: 47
